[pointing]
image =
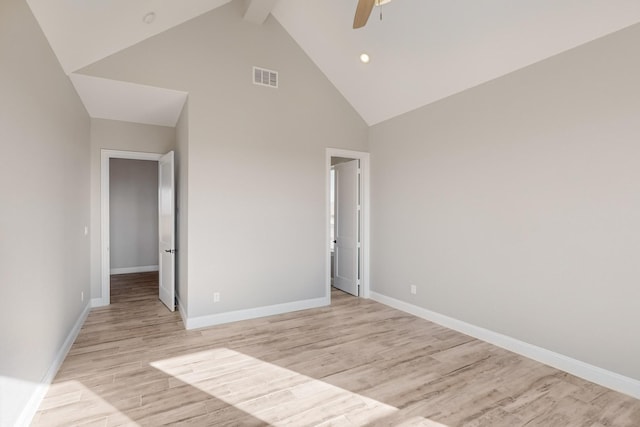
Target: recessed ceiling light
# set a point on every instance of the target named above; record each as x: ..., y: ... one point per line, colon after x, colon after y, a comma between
x: 149, y: 18
x: 364, y: 58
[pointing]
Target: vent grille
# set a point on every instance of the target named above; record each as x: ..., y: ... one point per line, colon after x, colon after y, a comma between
x: 264, y: 77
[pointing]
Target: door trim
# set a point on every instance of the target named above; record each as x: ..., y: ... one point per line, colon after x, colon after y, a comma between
x: 364, y: 218
x: 105, y: 156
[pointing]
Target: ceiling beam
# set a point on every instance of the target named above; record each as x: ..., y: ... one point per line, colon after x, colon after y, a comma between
x: 257, y: 11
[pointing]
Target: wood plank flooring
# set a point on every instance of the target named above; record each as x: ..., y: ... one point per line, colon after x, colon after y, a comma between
x: 356, y: 363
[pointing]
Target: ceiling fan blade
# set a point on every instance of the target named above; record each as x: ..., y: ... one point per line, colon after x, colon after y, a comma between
x: 362, y: 13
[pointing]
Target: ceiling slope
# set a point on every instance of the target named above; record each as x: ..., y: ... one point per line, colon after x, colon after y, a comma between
x: 129, y: 102
x: 83, y: 32
x: 422, y: 51
x: 426, y: 50
x: 257, y: 11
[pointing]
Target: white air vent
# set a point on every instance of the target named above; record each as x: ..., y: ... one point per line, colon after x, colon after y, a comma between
x: 264, y: 77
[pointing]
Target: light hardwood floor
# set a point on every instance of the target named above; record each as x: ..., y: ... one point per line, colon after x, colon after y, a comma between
x: 355, y: 363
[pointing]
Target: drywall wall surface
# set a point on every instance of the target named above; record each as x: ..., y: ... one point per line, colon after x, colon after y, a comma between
x: 182, y: 207
x: 514, y: 206
x: 44, y: 199
x: 125, y: 136
x: 256, y: 156
x: 133, y: 213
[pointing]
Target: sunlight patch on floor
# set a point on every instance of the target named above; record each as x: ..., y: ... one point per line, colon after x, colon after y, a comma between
x: 73, y: 397
x: 277, y: 395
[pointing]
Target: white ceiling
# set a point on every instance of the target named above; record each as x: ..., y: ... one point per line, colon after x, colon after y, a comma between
x: 422, y: 51
x: 82, y: 32
x: 129, y: 102
x: 425, y: 50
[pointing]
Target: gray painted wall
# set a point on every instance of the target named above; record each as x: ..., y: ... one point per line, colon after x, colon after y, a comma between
x: 133, y: 213
x: 256, y: 156
x: 44, y: 198
x: 514, y: 206
x: 116, y: 135
x: 182, y: 207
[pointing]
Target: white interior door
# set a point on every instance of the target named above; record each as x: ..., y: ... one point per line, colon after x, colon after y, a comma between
x: 167, y: 230
x: 347, y: 227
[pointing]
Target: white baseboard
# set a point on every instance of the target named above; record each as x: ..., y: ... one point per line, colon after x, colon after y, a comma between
x: 139, y: 269
x: 97, y: 302
x: 253, y: 313
x: 567, y: 364
x: 40, y: 390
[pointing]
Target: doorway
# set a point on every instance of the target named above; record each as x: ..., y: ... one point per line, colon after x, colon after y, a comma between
x: 165, y: 209
x: 348, y: 222
x: 133, y: 216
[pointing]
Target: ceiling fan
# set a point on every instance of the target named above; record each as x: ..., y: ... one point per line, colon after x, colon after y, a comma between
x: 363, y: 11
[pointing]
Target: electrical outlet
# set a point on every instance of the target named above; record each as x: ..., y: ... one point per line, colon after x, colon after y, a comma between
x: 216, y: 297
x: 414, y: 290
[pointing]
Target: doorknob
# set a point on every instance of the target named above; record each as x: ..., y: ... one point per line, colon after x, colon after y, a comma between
x: 335, y: 241
x: 170, y: 250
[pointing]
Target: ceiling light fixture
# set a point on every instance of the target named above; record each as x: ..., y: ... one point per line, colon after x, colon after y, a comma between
x: 149, y: 18
x: 364, y: 58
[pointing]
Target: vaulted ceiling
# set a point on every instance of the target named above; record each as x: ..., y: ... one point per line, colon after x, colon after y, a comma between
x: 421, y: 51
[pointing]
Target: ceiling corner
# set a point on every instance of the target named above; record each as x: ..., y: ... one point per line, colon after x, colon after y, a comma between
x: 257, y: 11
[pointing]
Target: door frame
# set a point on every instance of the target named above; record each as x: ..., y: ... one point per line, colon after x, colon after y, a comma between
x: 364, y: 217
x: 105, y: 225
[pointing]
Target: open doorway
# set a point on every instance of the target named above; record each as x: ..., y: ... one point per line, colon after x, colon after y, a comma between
x: 128, y: 214
x: 133, y: 216
x: 347, y: 222
x: 345, y: 225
